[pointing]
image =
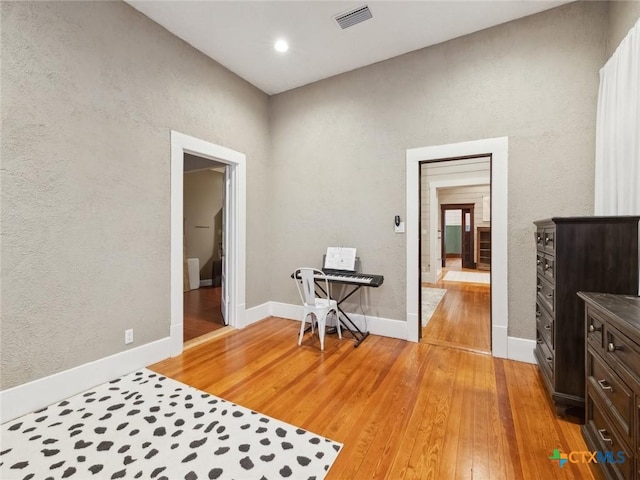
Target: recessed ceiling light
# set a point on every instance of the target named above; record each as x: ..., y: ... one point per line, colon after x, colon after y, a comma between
x: 281, y: 45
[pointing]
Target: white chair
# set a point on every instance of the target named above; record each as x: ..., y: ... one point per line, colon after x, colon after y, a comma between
x: 316, y: 306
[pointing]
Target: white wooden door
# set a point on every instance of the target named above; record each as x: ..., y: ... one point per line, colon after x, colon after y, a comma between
x: 225, y: 247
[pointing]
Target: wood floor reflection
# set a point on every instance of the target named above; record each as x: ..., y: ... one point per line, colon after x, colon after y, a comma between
x: 402, y: 410
x: 202, y: 312
x: 463, y: 317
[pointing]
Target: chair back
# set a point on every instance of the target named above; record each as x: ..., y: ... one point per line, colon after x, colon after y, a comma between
x: 304, y: 277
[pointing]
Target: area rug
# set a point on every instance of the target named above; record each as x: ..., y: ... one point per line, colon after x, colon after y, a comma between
x: 469, y: 277
x: 147, y: 426
x: 430, y: 300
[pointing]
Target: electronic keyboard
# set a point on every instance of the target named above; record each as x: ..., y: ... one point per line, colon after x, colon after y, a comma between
x: 363, y: 279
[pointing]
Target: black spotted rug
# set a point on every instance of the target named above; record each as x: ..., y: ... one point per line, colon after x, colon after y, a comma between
x: 147, y: 426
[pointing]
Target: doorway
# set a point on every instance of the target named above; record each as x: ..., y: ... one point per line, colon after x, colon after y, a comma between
x: 498, y: 149
x: 455, y: 306
x: 203, y: 206
x: 234, y: 239
x: 456, y: 225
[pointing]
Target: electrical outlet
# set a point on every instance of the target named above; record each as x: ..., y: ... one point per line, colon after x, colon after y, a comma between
x: 128, y: 336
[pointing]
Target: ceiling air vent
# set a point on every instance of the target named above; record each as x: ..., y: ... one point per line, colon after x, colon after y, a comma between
x: 352, y: 17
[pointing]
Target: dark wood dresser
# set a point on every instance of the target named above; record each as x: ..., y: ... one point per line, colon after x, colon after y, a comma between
x: 612, y: 377
x: 596, y: 254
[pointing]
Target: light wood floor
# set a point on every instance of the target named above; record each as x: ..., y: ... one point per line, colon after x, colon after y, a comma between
x: 202, y: 313
x: 402, y: 410
x: 463, y: 317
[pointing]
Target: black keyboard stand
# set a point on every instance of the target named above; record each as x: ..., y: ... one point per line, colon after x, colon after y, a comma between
x: 357, y: 334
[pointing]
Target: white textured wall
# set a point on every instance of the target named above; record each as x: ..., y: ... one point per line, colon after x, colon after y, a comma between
x: 339, y: 145
x: 90, y: 92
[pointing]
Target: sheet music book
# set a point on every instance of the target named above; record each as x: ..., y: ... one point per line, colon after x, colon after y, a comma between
x: 340, y: 258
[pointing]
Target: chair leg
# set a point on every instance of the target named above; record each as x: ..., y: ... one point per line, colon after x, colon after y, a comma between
x: 321, y: 328
x: 338, y: 325
x: 302, y: 325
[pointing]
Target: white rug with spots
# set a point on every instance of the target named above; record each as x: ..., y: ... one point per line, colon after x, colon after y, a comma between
x: 147, y: 426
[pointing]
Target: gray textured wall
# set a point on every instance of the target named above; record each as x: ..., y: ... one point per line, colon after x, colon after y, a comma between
x: 339, y: 145
x: 90, y: 92
x: 622, y: 16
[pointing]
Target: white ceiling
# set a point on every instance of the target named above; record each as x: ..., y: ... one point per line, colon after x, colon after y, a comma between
x: 240, y: 34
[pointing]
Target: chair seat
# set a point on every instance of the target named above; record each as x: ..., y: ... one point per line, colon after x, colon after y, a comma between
x: 324, y: 303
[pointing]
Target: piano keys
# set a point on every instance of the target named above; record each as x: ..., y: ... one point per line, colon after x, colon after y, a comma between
x: 365, y: 279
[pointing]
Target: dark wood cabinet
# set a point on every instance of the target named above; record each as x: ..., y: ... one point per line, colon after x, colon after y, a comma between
x: 597, y: 254
x: 612, y: 379
x: 483, y: 248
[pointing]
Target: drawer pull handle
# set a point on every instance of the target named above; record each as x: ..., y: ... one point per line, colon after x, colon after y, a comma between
x: 549, y: 295
x: 547, y: 240
x: 546, y: 266
x: 538, y: 262
x: 604, y: 439
x: 539, y: 287
x: 538, y: 314
x: 547, y: 327
x: 604, y: 385
x: 612, y: 347
x: 538, y: 238
x: 550, y: 360
x: 593, y: 328
x: 539, y: 341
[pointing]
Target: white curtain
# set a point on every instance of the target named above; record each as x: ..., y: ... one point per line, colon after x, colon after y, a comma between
x: 617, y: 183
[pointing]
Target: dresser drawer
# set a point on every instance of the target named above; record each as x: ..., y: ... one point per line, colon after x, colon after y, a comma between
x: 613, y: 392
x: 594, y: 326
x: 608, y: 440
x: 548, y: 240
x: 544, y: 323
x: 545, y: 293
x: 621, y: 349
x: 545, y: 357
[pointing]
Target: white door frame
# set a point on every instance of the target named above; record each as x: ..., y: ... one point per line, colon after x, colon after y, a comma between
x: 498, y: 149
x: 235, y: 230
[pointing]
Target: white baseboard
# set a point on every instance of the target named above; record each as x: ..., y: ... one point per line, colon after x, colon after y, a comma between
x: 257, y: 313
x: 384, y: 327
x: 521, y: 349
x: 499, y: 342
x: 23, y: 399
x: 286, y: 310
x: 206, y: 283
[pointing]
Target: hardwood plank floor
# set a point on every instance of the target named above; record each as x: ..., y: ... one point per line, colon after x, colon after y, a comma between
x: 202, y: 313
x: 403, y: 410
x: 463, y: 317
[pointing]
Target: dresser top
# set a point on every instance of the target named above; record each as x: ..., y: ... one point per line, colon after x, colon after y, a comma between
x: 610, y: 219
x: 626, y: 308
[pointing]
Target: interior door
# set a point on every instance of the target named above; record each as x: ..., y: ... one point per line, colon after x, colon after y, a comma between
x: 225, y: 247
x: 467, y: 238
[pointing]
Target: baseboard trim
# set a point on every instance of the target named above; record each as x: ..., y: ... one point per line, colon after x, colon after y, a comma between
x: 257, y: 313
x: 385, y: 327
x: 206, y: 283
x: 499, y: 341
x: 521, y: 349
x: 26, y: 398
